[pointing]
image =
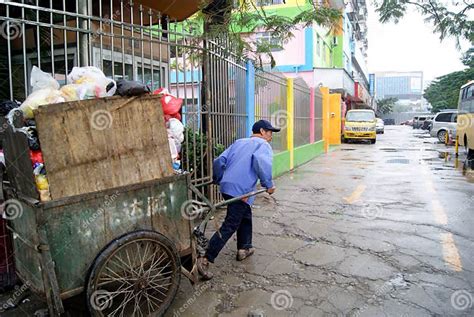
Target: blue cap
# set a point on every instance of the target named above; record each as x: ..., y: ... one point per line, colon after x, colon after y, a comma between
x: 264, y: 124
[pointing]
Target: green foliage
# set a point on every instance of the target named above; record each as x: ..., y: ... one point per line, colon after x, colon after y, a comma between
x: 224, y: 18
x: 194, y: 153
x: 385, y: 106
x: 443, y: 92
x: 448, y: 20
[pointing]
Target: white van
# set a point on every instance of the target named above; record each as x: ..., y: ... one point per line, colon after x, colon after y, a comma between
x: 443, y: 122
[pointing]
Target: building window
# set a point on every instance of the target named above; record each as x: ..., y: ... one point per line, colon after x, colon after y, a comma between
x: 266, y: 38
x: 126, y: 67
x: 262, y: 3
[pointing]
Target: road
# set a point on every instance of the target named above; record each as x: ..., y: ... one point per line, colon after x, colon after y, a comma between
x: 365, y: 230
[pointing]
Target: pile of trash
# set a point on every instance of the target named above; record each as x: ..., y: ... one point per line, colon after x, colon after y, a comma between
x: 171, y: 110
x: 84, y: 83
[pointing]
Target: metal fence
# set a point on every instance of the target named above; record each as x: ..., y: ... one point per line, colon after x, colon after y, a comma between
x: 318, y: 115
x: 130, y: 41
x: 302, y: 115
x: 270, y: 104
x: 227, y: 93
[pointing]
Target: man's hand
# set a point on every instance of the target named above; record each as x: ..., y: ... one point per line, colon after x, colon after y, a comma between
x: 271, y: 190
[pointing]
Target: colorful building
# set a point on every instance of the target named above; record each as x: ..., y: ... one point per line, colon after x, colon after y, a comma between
x: 322, y: 57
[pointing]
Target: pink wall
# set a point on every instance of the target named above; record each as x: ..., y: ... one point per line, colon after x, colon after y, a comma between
x: 293, y: 52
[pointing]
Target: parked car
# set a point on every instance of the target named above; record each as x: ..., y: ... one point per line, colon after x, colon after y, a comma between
x: 419, y: 121
x: 379, y: 126
x: 360, y: 125
x: 442, y: 123
x: 408, y: 122
x: 427, y: 124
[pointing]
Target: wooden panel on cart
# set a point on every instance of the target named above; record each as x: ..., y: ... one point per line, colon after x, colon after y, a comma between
x: 98, y: 144
x: 17, y: 157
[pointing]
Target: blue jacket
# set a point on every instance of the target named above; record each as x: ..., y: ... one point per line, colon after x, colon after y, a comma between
x: 241, y: 165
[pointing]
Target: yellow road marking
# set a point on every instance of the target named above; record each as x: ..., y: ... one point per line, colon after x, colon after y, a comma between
x: 355, y: 194
x: 438, y: 210
x: 450, y: 252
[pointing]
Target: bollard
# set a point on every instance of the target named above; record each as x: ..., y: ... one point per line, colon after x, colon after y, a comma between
x: 456, y: 146
x: 446, y: 139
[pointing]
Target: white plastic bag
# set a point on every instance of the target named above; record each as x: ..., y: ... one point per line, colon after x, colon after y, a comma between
x: 176, y: 130
x: 94, y: 82
x: 173, y: 150
x: 39, y: 98
x: 74, y: 92
x: 41, y: 80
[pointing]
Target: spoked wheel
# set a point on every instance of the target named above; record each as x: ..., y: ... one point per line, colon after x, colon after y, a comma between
x: 135, y: 275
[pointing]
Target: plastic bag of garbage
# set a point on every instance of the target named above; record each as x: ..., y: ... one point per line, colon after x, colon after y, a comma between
x: 39, y: 98
x: 42, y: 184
x: 173, y: 149
x: 176, y: 130
x: 171, y: 105
x: 74, y: 92
x: 6, y: 106
x: 131, y: 88
x: 176, y: 116
x: 94, y: 81
x: 41, y: 80
x: 36, y: 158
x: 33, y: 140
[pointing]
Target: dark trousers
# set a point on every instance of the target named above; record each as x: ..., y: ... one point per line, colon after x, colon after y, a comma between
x: 238, y: 218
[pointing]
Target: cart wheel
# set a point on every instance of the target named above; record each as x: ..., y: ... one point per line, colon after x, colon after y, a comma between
x: 135, y: 275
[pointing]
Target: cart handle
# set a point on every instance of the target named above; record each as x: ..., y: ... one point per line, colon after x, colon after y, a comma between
x: 234, y: 199
x: 211, y: 208
x: 199, y: 230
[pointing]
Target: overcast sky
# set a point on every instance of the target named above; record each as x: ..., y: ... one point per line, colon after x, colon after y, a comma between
x: 410, y: 45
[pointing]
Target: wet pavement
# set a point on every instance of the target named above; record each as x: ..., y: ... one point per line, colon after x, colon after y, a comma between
x: 365, y: 230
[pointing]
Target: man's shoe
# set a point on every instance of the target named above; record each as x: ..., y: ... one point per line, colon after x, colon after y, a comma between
x: 203, y: 268
x: 244, y: 253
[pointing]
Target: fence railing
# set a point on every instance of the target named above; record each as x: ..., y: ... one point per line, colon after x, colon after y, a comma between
x: 302, y: 116
x: 222, y: 95
x: 270, y: 104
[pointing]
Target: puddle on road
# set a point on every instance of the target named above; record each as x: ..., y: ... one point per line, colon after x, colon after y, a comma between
x: 312, y: 190
x: 398, y: 161
x: 406, y: 149
x: 447, y: 161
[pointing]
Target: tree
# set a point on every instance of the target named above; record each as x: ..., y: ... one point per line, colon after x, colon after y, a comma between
x: 449, y: 18
x: 385, y: 106
x: 232, y: 19
x: 443, y: 92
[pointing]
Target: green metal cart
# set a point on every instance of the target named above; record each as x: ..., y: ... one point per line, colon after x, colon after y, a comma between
x: 124, y: 247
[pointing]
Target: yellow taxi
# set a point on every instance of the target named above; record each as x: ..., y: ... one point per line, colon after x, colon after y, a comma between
x: 360, y: 124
